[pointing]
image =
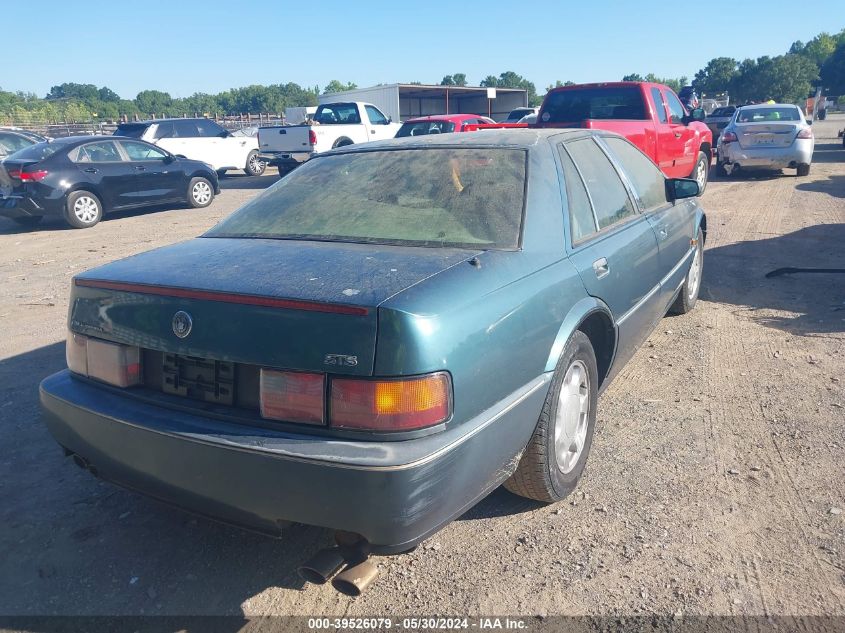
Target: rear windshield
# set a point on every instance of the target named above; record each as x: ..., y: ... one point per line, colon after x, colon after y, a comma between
x: 331, y: 113
x: 39, y: 151
x: 723, y: 111
x: 516, y: 115
x: 436, y: 197
x: 763, y: 115
x: 421, y: 128
x: 132, y: 130
x: 578, y: 104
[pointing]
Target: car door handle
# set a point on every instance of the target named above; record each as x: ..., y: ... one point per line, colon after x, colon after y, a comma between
x: 601, y: 268
x: 372, y: 131
x: 678, y: 134
x: 140, y: 168
x: 663, y: 233
x: 91, y: 170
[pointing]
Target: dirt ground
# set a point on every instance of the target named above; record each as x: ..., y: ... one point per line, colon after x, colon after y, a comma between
x: 715, y: 484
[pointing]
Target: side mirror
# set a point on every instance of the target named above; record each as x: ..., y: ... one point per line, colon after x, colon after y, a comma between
x: 809, y: 121
x: 389, y: 120
x: 679, y: 188
x: 169, y: 158
x: 698, y: 114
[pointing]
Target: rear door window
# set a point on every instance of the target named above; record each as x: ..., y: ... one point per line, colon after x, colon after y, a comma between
x: 163, y: 130
x: 99, y: 152
x: 610, y: 198
x: 208, y: 128
x: 647, y: 180
x: 582, y: 222
x: 185, y: 129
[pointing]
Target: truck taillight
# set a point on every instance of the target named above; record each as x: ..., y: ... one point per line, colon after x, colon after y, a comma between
x: 312, y: 137
x: 805, y: 133
x: 390, y: 405
x: 728, y: 137
x: 292, y: 396
x: 113, y: 363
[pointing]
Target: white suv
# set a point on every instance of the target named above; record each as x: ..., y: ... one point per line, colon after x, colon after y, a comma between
x: 199, y: 139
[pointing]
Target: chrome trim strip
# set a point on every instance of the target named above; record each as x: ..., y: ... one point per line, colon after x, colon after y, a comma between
x: 637, y: 305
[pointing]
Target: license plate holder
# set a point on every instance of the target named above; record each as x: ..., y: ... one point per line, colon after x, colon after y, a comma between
x: 199, y: 378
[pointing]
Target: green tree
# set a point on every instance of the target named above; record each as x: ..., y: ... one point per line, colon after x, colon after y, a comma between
x: 716, y: 76
x: 817, y: 49
x: 336, y: 86
x: 83, y: 92
x: 833, y: 72
x: 153, y: 102
x: 107, y: 94
x: 785, y: 78
x: 489, y: 82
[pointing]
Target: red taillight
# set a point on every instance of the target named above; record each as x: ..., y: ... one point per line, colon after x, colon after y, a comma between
x: 116, y: 364
x: 728, y: 137
x: 312, y: 137
x: 390, y: 405
x: 33, y: 176
x: 805, y: 133
x: 292, y: 396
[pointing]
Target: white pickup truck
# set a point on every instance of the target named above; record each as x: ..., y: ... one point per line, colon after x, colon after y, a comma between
x: 334, y: 125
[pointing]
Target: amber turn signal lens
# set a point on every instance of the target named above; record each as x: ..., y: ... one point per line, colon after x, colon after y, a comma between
x: 391, y: 405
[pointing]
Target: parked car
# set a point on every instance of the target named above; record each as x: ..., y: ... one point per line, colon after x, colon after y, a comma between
x: 516, y: 114
x: 80, y: 178
x: 719, y: 119
x: 649, y: 115
x: 529, y: 119
x: 440, y: 124
x: 334, y: 125
x: 200, y: 139
x: 12, y: 140
x: 382, y: 338
x: 766, y: 136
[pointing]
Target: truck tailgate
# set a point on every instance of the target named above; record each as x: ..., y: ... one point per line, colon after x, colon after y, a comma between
x: 284, y: 139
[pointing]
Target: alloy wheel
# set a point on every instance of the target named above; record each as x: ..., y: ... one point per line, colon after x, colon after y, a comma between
x: 86, y: 209
x: 201, y: 192
x: 571, y: 420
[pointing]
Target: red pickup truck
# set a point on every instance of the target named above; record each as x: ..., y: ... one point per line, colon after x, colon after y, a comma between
x: 649, y: 115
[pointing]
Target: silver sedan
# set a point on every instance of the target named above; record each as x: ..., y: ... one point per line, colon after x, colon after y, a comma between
x: 768, y: 136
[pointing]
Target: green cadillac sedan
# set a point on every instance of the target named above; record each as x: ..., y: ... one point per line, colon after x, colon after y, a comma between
x: 384, y: 336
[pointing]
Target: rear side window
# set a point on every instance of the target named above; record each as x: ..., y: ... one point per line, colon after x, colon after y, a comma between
x: 582, y: 222
x: 207, y: 128
x: 612, y: 102
x: 184, y: 129
x: 649, y: 183
x: 132, y: 130
x: 610, y: 198
x: 659, y: 108
x: 99, y: 152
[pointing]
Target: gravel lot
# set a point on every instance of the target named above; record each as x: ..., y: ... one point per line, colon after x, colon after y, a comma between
x: 714, y: 485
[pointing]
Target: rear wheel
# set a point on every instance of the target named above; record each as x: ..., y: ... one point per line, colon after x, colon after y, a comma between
x: 554, y: 459
x: 83, y: 209
x: 701, y: 171
x: 254, y: 165
x: 803, y: 170
x: 27, y: 220
x: 342, y: 142
x: 720, y: 169
x: 200, y: 193
x: 688, y: 296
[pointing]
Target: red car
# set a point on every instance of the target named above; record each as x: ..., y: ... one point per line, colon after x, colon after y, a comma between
x: 441, y: 124
x: 649, y: 115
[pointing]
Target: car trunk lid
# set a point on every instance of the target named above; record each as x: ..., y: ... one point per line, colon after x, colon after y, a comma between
x: 10, y: 182
x: 276, y: 303
x: 761, y: 135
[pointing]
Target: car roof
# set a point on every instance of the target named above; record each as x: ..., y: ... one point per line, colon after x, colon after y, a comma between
x: 511, y: 138
x: 444, y: 117
x: 167, y: 120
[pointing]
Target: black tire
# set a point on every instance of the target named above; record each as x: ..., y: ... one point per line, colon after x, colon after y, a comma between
x: 538, y: 476
x: 803, y: 170
x: 83, y: 209
x: 254, y: 165
x: 721, y: 171
x: 200, y: 192
x: 27, y: 220
x: 342, y: 142
x: 688, y: 295
x: 701, y: 171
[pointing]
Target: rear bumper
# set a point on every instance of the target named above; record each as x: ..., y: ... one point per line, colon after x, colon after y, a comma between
x: 284, y: 158
x: 800, y: 152
x: 395, y: 494
x: 17, y: 206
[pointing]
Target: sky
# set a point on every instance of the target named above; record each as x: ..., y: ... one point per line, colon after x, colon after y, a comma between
x: 188, y: 46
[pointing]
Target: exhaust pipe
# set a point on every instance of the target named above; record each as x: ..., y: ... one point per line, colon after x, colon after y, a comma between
x: 322, y: 566
x: 353, y: 580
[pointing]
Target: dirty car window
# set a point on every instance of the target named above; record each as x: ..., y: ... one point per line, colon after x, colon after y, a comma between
x: 419, y: 197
